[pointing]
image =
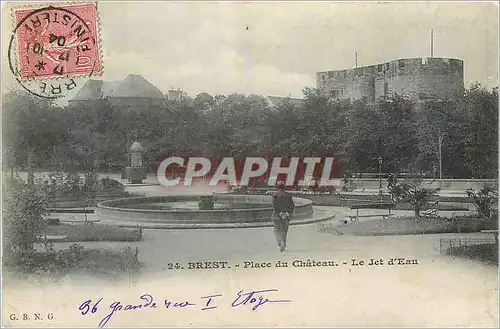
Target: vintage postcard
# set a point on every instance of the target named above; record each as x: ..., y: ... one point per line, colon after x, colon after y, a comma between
x: 252, y: 164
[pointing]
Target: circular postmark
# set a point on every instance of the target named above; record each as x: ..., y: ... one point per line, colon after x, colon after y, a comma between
x: 52, y: 48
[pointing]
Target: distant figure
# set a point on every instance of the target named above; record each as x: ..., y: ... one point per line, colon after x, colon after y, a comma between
x: 392, y: 181
x: 283, y: 207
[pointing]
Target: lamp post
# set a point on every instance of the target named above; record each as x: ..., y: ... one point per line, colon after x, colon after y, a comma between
x: 440, y: 142
x: 380, y: 176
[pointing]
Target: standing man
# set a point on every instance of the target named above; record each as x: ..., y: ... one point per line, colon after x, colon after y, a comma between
x: 283, y: 207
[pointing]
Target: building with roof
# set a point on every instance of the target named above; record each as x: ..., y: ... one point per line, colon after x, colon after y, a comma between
x: 132, y: 91
x: 419, y: 78
x: 175, y: 95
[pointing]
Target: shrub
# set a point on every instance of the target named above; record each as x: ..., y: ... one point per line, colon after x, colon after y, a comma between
x: 107, y: 183
x: 412, y: 193
x: 206, y: 203
x: 47, y: 264
x: 73, y: 185
x: 483, y: 200
x: 24, y: 208
x: 91, y: 182
x: 487, y: 253
x: 39, y: 266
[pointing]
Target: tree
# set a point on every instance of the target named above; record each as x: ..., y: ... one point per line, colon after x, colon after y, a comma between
x: 32, y: 126
x: 412, y: 193
x: 283, y: 122
x: 398, y: 136
x: 483, y: 200
x: 386, y: 129
x: 319, y: 123
x: 440, y: 133
x: 204, y: 101
x: 364, y: 127
x: 24, y: 208
x: 481, y: 145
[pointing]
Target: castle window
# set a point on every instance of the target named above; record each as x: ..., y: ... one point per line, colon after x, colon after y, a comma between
x: 323, y: 76
x: 424, y: 61
x: 401, y: 63
x: 386, y: 88
x: 380, y: 68
x: 331, y: 74
x: 387, y: 66
x: 335, y: 93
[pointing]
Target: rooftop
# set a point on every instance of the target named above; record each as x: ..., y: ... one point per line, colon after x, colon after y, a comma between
x: 133, y: 86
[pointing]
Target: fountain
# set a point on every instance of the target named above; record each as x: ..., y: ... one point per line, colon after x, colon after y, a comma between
x: 195, y: 211
x: 207, y: 210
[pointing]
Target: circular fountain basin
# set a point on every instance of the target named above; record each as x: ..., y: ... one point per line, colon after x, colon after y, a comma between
x: 183, y: 210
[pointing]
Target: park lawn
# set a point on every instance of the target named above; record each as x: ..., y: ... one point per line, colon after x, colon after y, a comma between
x: 94, y: 232
x: 408, y: 225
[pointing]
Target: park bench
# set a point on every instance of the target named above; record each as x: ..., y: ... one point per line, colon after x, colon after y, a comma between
x: 57, y: 221
x: 71, y: 211
x: 50, y: 239
x: 378, y: 205
x: 55, y: 238
x: 53, y: 221
x: 344, y: 199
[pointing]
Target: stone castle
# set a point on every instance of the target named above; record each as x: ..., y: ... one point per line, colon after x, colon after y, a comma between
x: 419, y: 78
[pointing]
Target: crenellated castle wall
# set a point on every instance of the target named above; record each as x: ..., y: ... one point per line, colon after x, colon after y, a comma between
x: 418, y: 78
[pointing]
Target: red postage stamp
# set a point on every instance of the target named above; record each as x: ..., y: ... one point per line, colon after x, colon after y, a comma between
x: 57, y: 41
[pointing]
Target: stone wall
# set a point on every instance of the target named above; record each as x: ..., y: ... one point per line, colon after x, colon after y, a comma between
x: 419, y: 78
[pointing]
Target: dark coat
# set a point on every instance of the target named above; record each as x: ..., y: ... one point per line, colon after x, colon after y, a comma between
x: 282, y: 202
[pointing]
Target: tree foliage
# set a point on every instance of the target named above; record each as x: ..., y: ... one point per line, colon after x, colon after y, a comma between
x: 24, y: 207
x: 386, y: 129
x: 482, y: 132
x: 405, y: 134
x: 483, y: 200
x: 442, y: 122
x: 413, y: 193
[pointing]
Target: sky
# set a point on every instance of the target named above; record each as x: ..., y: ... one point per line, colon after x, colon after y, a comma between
x: 277, y: 48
